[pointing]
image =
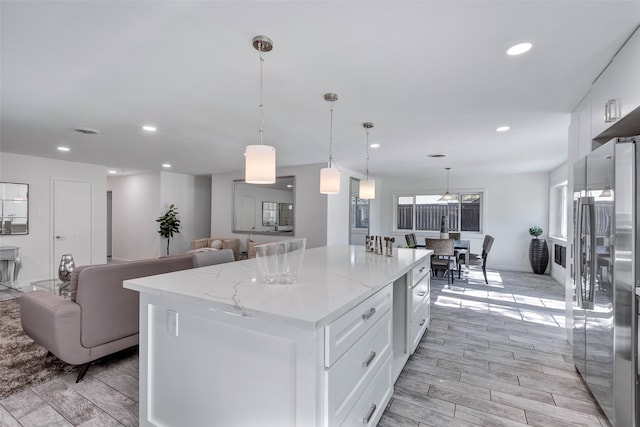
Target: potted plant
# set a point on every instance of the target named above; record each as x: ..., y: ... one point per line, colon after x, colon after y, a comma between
x: 538, y: 251
x: 169, y: 224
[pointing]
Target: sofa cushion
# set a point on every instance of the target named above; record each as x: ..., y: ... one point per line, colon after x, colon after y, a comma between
x: 202, y: 259
x: 109, y: 311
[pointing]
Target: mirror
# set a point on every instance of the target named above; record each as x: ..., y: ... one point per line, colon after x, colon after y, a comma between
x: 14, y: 208
x: 264, y: 208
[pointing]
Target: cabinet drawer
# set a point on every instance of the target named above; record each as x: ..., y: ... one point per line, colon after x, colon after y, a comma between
x: 347, y: 329
x: 369, y: 408
x: 421, y: 270
x: 346, y: 380
x: 420, y: 323
x: 419, y: 293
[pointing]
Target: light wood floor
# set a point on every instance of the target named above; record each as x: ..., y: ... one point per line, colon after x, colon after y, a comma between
x: 494, y: 355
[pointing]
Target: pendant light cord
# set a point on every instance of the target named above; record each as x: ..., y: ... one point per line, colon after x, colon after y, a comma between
x: 261, y: 129
x: 367, y: 169
x: 331, y: 135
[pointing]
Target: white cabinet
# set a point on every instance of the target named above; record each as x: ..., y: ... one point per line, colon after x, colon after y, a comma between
x: 218, y: 348
x: 419, y: 303
x: 617, y: 90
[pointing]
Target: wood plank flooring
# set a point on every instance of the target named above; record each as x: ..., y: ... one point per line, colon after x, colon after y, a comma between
x: 494, y: 355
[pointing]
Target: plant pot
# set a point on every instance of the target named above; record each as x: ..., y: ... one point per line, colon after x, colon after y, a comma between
x: 538, y: 255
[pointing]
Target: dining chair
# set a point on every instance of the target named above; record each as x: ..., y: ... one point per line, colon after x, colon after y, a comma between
x: 411, y: 241
x: 487, y: 243
x: 443, y: 257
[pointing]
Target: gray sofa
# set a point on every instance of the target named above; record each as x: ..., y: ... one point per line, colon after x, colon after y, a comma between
x: 101, y: 316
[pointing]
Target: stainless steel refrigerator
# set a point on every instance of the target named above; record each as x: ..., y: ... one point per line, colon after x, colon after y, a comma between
x: 605, y: 307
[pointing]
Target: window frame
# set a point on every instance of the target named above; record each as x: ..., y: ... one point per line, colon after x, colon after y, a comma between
x: 558, y: 207
x: 396, y: 196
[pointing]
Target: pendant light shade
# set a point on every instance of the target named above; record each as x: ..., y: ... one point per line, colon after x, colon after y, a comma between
x: 448, y: 197
x: 330, y: 177
x: 367, y: 189
x: 367, y: 186
x: 329, y: 181
x: 260, y: 160
x: 260, y: 164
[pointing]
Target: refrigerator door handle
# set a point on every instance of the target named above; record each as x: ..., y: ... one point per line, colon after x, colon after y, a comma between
x: 589, y: 300
x: 584, y: 265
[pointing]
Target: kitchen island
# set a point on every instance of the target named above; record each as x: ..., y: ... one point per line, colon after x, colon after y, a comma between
x: 219, y: 347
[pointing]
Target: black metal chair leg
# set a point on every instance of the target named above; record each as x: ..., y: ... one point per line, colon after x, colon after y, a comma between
x: 49, y: 354
x: 484, y: 271
x: 83, y: 370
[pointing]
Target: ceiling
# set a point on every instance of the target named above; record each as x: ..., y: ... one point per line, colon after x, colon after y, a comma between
x: 432, y: 76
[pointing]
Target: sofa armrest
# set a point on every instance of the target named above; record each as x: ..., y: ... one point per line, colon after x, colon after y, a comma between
x: 54, y: 323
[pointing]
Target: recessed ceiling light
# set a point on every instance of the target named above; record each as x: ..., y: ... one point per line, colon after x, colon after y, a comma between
x: 374, y: 145
x: 436, y: 156
x: 289, y: 185
x: 519, y: 49
x: 502, y: 129
x: 64, y: 148
x: 112, y: 172
x: 166, y: 165
x: 149, y: 128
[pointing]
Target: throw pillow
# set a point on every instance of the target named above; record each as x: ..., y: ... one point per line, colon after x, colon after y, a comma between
x: 217, y: 244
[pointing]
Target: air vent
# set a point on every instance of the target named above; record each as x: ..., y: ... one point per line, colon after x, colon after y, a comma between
x: 87, y: 131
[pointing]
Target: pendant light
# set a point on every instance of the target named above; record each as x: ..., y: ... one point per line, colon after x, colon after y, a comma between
x: 260, y: 159
x: 447, y: 197
x: 330, y: 177
x: 367, y: 187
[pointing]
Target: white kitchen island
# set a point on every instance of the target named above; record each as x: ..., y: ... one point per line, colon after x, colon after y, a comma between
x: 220, y: 348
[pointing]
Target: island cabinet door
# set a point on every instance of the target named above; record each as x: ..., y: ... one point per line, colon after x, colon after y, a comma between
x: 202, y: 367
x: 358, y: 358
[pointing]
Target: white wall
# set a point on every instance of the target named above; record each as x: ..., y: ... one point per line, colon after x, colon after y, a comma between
x: 192, y: 196
x: 138, y: 200
x: 512, y: 204
x: 338, y: 211
x: 310, y: 206
x: 557, y: 271
x: 36, y: 248
x: 136, y: 205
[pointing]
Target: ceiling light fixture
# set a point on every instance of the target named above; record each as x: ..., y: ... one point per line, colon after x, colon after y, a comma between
x: 149, y: 128
x: 519, y: 49
x: 166, y: 165
x: 61, y: 148
x: 330, y: 177
x: 260, y: 159
x: 113, y: 172
x: 502, y: 128
x: 367, y: 187
x: 375, y: 145
x: 447, y: 197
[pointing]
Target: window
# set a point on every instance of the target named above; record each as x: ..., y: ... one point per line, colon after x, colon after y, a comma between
x: 558, y: 211
x: 424, y: 212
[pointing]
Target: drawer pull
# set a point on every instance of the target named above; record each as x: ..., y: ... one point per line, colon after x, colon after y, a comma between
x: 369, y: 313
x: 372, y: 411
x: 367, y: 362
x: 422, y: 322
x: 422, y: 269
x: 421, y: 294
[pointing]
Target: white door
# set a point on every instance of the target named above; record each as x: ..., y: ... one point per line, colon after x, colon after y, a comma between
x: 72, y: 222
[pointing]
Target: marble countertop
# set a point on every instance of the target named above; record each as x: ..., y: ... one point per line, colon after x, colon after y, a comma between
x: 332, y: 280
